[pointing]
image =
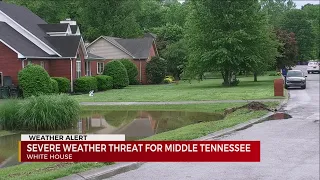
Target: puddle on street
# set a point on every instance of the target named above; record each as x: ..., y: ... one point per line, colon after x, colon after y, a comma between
x: 134, y: 124
x: 278, y: 116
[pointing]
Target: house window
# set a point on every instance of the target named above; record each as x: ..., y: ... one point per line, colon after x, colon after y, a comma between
x: 78, y: 66
x: 1, y: 79
x: 100, y: 67
x: 29, y: 62
x: 88, y: 68
x: 42, y: 64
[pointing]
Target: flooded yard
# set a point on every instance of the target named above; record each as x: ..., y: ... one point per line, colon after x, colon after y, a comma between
x: 134, y: 124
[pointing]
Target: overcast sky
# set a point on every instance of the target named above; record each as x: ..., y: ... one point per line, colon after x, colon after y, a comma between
x: 300, y: 3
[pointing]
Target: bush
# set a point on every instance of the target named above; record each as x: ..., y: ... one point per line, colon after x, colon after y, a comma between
x: 44, y: 112
x: 104, y: 82
x: 132, y: 71
x: 156, y: 70
x: 34, y: 80
x: 85, y: 84
x: 63, y: 84
x: 118, y: 72
x: 167, y: 81
x: 54, y: 86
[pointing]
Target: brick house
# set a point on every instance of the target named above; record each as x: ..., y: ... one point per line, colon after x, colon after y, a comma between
x: 25, y: 38
x: 139, y: 51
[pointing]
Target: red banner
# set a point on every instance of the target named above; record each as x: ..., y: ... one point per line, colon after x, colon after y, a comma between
x: 139, y: 151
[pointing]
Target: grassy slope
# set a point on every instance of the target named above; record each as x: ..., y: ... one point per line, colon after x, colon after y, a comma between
x: 206, y: 90
x: 43, y: 171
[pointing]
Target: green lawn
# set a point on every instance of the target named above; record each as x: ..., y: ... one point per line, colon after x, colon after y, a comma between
x: 210, y: 89
x: 43, y: 171
x: 202, y: 129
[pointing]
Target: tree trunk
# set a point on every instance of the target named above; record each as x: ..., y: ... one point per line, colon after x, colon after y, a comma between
x: 255, y: 77
x: 226, y: 78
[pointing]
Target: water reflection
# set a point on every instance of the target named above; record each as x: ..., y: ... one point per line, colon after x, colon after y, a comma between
x: 134, y: 124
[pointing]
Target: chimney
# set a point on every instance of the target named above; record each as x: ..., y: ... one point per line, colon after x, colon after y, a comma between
x: 68, y: 21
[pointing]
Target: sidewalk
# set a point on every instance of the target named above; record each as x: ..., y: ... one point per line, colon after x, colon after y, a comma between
x: 176, y: 102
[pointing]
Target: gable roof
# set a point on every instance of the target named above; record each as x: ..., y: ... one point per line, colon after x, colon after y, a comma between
x: 139, y: 48
x: 54, y: 27
x: 19, y: 42
x: 64, y: 46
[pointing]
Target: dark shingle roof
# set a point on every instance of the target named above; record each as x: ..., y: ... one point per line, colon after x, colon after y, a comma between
x: 25, y: 18
x: 67, y: 46
x: 73, y: 28
x: 139, y: 48
x: 54, y: 27
x: 19, y: 42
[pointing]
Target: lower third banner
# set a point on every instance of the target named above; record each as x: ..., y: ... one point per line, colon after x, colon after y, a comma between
x: 139, y: 151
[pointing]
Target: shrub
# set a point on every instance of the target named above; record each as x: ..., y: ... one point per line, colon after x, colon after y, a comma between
x: 118, y: 72
x: 43, y: 112
x: 85, y: 84
x: 167, y: 81
x: 156, y: 70
x: 104, y: 82
x: 132, y: 71
x: 54, y: 86
x: 63, y: 84
x: 34, y: 80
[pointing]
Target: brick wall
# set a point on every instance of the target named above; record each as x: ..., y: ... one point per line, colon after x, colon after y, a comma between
x: 10, y: 65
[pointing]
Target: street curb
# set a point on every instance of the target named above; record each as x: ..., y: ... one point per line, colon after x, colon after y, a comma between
x: 244, y: 125
x: 119, y: 168
x: 104, y: 172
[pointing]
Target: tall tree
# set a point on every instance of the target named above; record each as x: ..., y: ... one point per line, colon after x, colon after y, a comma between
x: 276, y: 9
x: 110, y: 18
x: 288, y: 49
x: 296, y: 21
x: 225, y: 35
x: 313, y: 15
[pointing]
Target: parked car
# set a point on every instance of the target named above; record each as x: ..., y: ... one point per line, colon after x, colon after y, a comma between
x: 295, y: 78
x: 313, y: 66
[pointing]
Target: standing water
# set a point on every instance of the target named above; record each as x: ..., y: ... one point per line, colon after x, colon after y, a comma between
x: 134, y: 124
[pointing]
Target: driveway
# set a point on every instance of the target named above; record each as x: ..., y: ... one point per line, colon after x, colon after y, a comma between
x: 289, y: 147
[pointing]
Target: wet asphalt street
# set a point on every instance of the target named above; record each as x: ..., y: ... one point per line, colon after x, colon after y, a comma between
x: 289, y: 147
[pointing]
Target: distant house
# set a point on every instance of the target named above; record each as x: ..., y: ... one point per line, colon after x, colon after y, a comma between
x: 25, y: 38
x: 139, y: 51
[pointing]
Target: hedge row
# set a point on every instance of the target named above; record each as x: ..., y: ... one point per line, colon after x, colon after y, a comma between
x: 86, y: 84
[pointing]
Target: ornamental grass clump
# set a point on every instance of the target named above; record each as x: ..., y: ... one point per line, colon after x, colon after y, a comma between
x: 44, y: 112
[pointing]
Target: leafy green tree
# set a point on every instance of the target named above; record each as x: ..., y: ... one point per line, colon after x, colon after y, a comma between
x: 296, y: 21
x: 156, y: 70
x: 276, y: 9
x: 288, y: 49
x: 313, y: 15
x: 167, y: 34
x: 176, y: 56
x: 111, y: 18
x: 224, y: 36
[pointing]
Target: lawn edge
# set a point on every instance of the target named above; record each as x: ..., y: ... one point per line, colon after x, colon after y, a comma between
x: 119, y: 168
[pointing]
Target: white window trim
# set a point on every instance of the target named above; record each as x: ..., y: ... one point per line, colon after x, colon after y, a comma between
x: 98, y: 67
x: 88, y: 70
x: 78, y: 62
x: 1, y: 80
x: 42, y: 64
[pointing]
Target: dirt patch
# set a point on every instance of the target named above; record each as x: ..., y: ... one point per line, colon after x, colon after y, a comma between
x: 252, y: 106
